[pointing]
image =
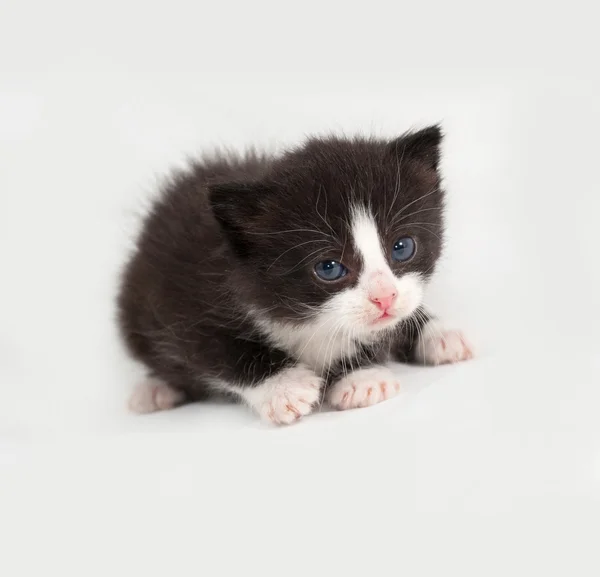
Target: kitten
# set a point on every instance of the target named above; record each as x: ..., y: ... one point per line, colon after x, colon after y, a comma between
x: 283, y: 281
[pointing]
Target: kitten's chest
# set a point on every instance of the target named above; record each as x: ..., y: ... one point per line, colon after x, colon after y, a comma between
x: 320, y: 355
x: 319, y: 347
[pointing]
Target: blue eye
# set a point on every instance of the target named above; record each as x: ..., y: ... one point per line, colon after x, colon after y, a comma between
x: 403, y: 249
x: 330, y: 270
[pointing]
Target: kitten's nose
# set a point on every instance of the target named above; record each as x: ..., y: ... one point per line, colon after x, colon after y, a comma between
x: 384, y: 301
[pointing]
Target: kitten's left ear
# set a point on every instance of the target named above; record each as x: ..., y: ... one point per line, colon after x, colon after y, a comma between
x: 423, y: 145
x: 233, y: 202
x: 237, y: 206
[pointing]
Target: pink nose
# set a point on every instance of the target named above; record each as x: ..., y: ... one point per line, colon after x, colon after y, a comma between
x: 384, y: 302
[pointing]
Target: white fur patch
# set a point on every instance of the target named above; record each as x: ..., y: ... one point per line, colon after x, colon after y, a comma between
x: 363, y: 388
x: 318, y: 343
x: 283, y: 398
x: 154, y: 395
x: 367, y: 241
x: 438, y: 345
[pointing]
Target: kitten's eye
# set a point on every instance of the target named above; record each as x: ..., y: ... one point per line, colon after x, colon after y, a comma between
x: 330, y: 270
x: 403, y: 249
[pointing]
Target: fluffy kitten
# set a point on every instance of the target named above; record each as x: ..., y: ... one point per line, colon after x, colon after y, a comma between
x: 278, y: 281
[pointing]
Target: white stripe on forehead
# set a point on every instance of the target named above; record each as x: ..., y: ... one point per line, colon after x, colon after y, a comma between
x: 366, y: 239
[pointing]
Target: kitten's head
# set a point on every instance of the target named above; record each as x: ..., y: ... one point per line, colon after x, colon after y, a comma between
x: 340, y: 232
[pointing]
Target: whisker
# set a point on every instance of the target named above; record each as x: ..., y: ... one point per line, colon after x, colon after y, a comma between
x: 397, y: 191
x: 428, y: 230
x: 289, y: 231
x: 294, y: 247
x: 404, y: 217
x: 432, y: 191
x: 320, y: 215
x: 301, y: 262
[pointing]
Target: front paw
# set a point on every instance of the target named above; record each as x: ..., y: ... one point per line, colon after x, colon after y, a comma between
x: 363, y: 388
x: 286, y: 396
x: 437, y: 346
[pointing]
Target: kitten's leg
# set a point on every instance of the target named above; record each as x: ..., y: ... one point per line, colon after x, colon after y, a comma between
x: 275, y: 386
x: 428, y: 342
x: 363, y: 388
x: 154, y: 394
x: 438, y: 345
x: 284, y: 397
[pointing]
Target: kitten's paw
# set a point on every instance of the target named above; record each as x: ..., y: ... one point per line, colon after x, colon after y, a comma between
x: 363, y: 388
x: 438, y: 346
x: 154, y: 395
x: 286, y: 396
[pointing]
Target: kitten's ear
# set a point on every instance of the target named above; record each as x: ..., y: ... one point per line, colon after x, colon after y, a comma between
x: 236, y: 206
x: 235, y: 202
x: 423, y: 145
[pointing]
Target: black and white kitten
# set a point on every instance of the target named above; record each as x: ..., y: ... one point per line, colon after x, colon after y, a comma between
x: 283, y: 281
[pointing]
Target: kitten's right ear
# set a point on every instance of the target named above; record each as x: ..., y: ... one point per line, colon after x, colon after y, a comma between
x: 236, y: 206
x: 423, y: 146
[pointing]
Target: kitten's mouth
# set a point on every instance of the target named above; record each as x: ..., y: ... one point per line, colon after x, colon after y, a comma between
x: 386, y: 316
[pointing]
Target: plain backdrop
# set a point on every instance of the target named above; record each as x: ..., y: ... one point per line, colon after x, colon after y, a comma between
x: 486, y: 468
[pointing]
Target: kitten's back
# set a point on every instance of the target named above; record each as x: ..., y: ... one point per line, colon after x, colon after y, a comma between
x: 181, y: 259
